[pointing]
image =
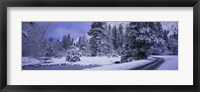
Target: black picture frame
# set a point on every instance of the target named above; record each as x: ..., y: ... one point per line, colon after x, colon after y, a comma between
x: 99, y: 3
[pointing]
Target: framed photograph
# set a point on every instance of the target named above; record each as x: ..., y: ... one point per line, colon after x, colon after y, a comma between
x: 76, y: 45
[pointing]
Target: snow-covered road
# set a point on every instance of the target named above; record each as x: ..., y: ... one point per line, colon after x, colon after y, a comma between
x: 171, y: 62
x: 151, y: 66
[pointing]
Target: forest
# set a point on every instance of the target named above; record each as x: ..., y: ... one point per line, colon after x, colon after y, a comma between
x: 127, y: 41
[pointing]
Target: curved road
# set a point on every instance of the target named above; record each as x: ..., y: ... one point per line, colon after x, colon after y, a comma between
x: 151, y: 66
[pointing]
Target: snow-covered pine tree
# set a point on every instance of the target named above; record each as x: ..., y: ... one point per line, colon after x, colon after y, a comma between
x: 165, y: 35
x: 73, y: 55
x: 64, y: 42
x: 171, y: 38
x: 83, y: 45
x: 100, y: 42
x: 115, y: 38
x: 159, y: 46
x: 59, y: 50
x: 139, y: 37
x: 109, y: 27
x: 173, y: 43
x: 165, y: 50
x: 72, y: 42
x: 120, y: 39
x: 69, y: 41
x: 49, y: 50
x: 110, y: 49
x: 54, y: 48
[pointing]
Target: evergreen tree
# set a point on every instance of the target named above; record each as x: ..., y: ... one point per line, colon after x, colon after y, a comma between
x: 115, y: 38
x: 57, y: 48
x: 120, y: 39
x: 59, y: 45
x: 73, y: 55
x: 50, y: 39
x: 100, y: 39
x: 72, y: 42
x: 69, y: 41
x: 109, y: 27
x: 165, y: 35
x: 49, y: 50
x: 64, y: 42
x: 139, y: 38
x: 171, y: 38
x: 83, y: 44
x: 173, y: 44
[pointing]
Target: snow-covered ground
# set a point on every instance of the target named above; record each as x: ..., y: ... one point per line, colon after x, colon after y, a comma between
x: 97, y: 60
x: 30, y: 61
x: 171, y: 62
x: 26, y: 61
x: 124, y: 66
x: 104, y: 63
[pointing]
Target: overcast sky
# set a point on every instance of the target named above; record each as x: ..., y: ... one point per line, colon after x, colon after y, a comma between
x: 58, y: 29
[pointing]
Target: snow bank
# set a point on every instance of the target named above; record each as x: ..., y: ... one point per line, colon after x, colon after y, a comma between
x: 26, y: 61
x: 97, y: 60
x: 124, y: 66
x: 85, y: 61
